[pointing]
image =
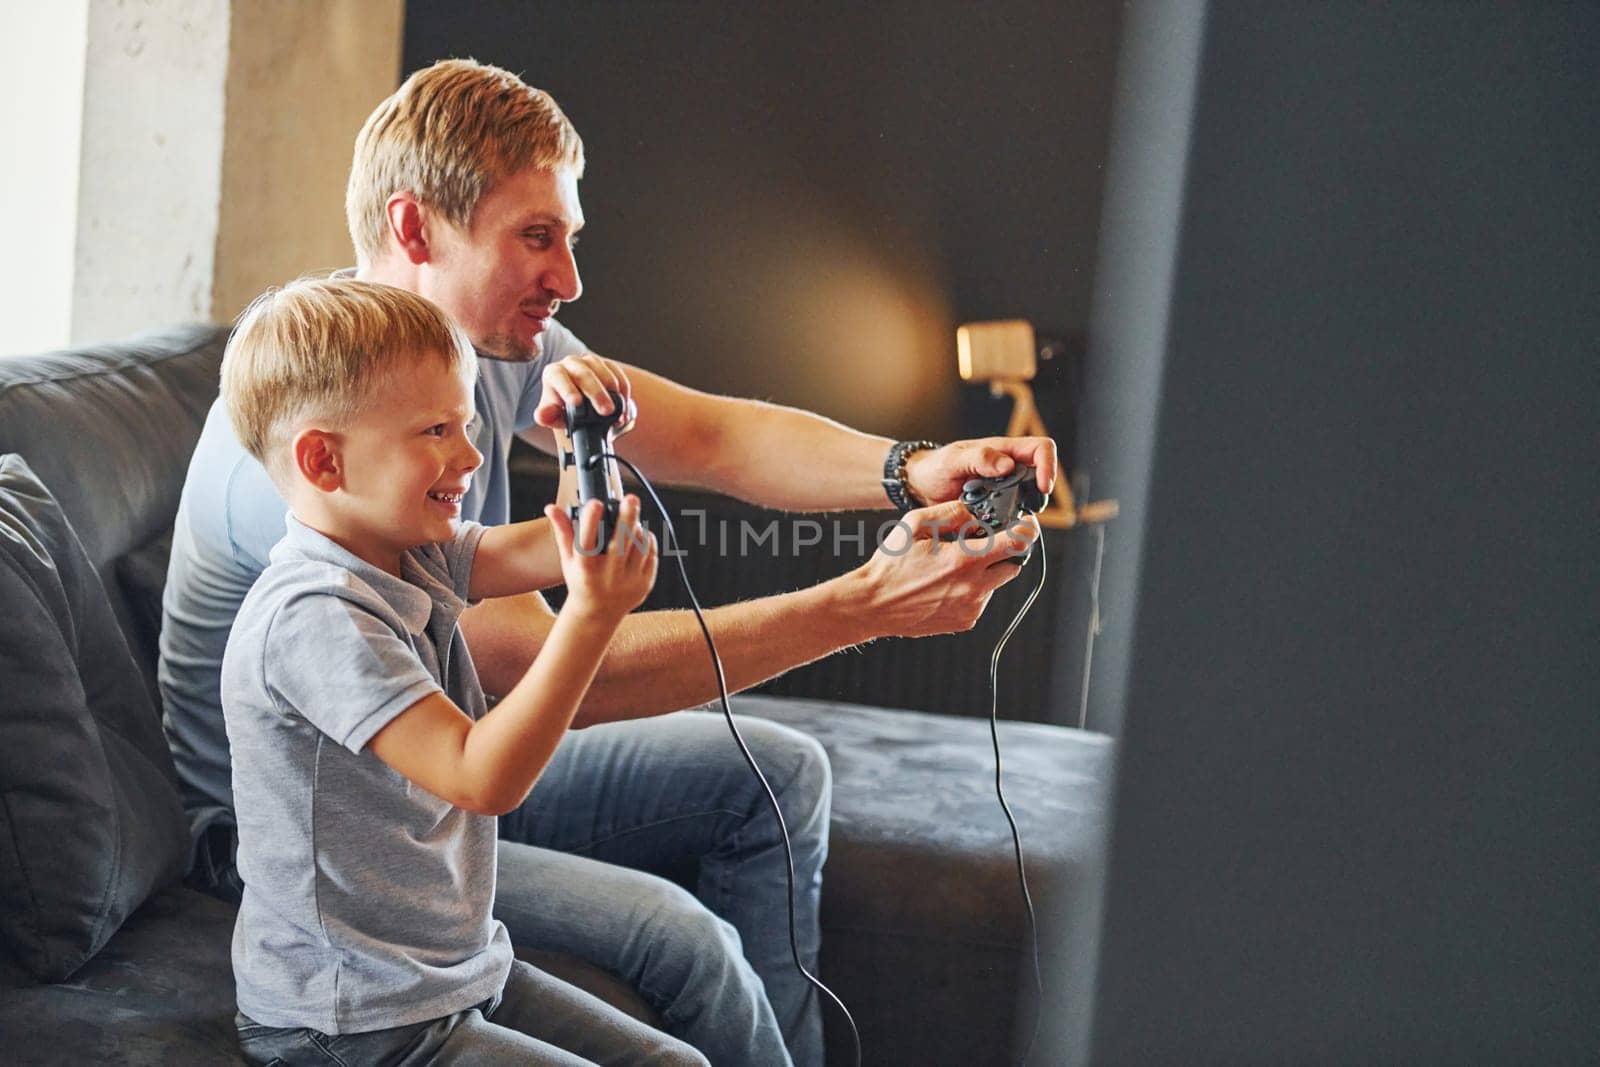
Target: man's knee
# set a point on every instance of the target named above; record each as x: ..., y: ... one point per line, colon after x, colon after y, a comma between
x: 796, y: 765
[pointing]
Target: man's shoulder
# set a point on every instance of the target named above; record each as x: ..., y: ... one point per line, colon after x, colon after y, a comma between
x: 229, y: 502
x: 218, y: 453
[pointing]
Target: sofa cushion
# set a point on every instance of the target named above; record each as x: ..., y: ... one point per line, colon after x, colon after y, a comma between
x: 110, y: 429
x: 90, y: 822
x: 161, y: 992
x: 924, y: 932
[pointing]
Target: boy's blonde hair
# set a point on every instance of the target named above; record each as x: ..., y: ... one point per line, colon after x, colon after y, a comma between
x: 447, y: 136
x: 317, y: 349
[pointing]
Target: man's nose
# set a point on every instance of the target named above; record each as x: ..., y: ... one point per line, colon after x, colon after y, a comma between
x: 562, y: 278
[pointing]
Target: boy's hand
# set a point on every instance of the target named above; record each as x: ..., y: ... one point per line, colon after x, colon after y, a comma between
x: 609, y: 584
x: 569, y: 380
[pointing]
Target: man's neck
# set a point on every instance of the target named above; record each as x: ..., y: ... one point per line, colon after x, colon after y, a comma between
x: 391, y: 270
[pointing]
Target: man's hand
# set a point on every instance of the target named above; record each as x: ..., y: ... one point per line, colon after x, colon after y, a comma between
x: 937, y: 475
x: 935, y: 572
x: 569, y: 380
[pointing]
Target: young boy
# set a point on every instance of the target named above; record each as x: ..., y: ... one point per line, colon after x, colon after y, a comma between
x: 368, y: 772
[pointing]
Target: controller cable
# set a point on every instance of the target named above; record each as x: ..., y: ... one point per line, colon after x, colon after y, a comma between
x: 1016, y: 836
x: 671, y: 541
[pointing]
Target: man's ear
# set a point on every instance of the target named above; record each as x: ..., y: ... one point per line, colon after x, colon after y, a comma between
x: 408, y: 226
x: 317, y: 459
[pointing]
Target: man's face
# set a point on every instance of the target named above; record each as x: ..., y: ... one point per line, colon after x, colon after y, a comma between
x: 504, y: 276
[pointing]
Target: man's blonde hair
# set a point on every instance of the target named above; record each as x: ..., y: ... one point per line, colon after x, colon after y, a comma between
x: 447, y: 136
x: 316, y: 350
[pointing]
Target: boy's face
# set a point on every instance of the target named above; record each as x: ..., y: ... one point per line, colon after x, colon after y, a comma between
x: 504, y: 276
x: 406, y: 462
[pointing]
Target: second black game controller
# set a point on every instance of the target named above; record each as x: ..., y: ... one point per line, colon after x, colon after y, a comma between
x: 997, y: 503
x: 591, y: 434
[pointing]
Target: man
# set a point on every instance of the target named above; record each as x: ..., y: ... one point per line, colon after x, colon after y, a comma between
x: 464, y: 189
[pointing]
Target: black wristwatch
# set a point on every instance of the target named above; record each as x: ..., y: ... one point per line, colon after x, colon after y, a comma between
x: 894, y: 473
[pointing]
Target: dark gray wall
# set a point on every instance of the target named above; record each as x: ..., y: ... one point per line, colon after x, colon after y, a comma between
x: 1351, y: 658
x: 801, y: 204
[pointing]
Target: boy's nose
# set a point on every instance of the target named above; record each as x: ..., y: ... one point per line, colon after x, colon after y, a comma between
x: 471, y: 459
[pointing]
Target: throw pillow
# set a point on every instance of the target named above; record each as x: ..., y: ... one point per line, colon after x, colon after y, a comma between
x: 90, y: 821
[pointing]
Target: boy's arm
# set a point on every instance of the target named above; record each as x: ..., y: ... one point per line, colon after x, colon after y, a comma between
x: 487, y: 767
x: 513, y: 559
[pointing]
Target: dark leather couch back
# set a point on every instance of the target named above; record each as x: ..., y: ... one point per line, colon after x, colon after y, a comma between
x: 109, y: 429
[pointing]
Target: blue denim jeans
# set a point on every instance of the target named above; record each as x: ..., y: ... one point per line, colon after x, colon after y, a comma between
x: 533, y: 1019
x: 673, y: 797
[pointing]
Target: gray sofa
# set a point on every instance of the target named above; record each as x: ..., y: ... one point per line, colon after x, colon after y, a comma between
x: 105, y: 957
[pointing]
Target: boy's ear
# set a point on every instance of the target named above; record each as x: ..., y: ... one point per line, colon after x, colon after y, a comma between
x: 408, y: 226
x: 317, y: 459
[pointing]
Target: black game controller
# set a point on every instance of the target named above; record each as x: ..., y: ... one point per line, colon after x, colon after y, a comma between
x: 591, y: 435
x: 997, y: 503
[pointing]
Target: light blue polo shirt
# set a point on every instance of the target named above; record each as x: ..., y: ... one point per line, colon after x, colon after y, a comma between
x: 229, y: 518
x: 367, y: 899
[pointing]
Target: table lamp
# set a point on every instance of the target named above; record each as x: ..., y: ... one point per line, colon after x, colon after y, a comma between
x: 1005, y: 354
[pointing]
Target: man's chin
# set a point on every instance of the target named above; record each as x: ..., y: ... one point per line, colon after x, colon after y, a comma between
x: 509, y: 349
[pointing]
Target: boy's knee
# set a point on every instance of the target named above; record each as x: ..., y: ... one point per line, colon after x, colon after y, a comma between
x: 680, y: 1055
x: 672, y: 1052
x: 674, y: 917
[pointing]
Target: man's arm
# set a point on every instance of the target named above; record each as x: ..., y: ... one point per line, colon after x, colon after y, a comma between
x: 776, y: 456
x: 658, y: 661
x: 767, y: 454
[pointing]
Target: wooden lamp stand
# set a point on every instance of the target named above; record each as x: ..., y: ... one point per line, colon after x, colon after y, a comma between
x: 1004, y: 355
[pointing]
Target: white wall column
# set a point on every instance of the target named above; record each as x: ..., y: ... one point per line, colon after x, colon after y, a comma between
x: 40, y: 125
x: 166, y: 160
x: 151, y: 170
